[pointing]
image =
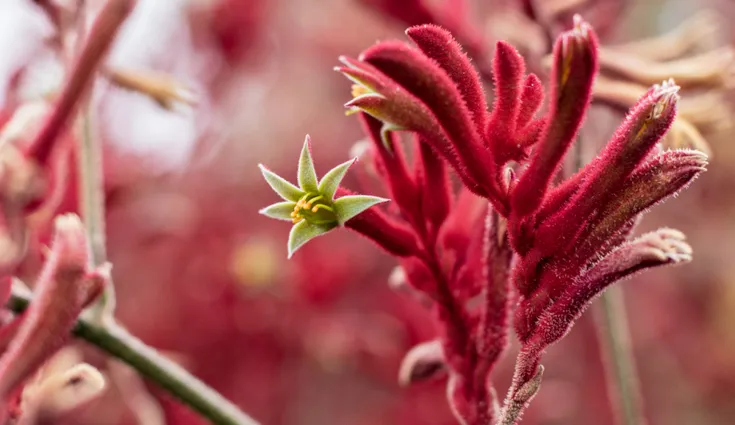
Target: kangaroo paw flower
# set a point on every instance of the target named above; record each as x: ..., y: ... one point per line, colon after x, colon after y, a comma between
x: 311, y: 206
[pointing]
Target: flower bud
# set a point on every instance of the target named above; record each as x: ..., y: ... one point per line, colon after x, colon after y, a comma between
x: 575, y: 65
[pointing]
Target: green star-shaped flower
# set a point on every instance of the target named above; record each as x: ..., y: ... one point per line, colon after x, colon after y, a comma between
x: 311, y: 207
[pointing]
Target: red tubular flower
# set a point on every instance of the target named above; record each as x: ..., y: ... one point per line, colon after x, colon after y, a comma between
x: 385, y: 231
x: 557, y: 247
x: 439, y: 45
x: 437, y: 201
x: 646, y: 124
x: 656, y: 180
x: 509, y: 70
x: 575, y: 65
x: 427, y: 80
x: 531, y: 98
x: 65, y: 286
x: 391, y: 161
x: 379, y: 96
x: 599, y: 214
x: 662, y: 247
x: 439, y: 78
x: 425, y: 361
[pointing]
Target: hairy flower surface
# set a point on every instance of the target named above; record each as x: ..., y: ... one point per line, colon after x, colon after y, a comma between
x: 552, y: 244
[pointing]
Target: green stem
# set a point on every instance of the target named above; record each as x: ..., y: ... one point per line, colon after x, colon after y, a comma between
x: 620, y: 368
x: 92, y: 206
x: 91, y: 177
x: 119, y: 343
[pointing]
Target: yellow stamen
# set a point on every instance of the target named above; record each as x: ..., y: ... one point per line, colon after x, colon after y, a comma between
x: 321, y: 206
x: 359, y: 90
x: 311, y: 202
x: 300, y: 204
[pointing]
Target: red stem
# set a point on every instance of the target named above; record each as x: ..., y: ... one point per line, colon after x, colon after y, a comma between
x: 80, y: 79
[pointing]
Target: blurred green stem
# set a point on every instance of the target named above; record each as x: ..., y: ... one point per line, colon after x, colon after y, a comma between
x: 113, y: 339
x: 611, y: 320
x: 89, y: 150
x: 618, y: 358
x: 92, y: 207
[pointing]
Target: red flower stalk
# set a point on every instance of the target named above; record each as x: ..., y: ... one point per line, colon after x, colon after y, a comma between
x: 552, y: 248
x: 81, y: 77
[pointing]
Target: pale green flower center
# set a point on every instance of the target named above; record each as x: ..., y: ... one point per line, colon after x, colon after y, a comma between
x: 315, y: 209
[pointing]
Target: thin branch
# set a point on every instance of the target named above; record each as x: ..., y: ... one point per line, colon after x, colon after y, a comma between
x: 119, y: 343
x: 89, y: 150
x: 92, y: 206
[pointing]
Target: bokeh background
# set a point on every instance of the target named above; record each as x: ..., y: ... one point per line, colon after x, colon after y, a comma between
x: 318, y: 339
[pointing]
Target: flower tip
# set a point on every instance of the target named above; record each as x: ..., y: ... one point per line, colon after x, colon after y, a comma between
x: 88, y: 373
x: 347, y: 61
x: 665, y: 96
x: 698, y: 158
x: 667, y: 246
x: 581, y: 27
x: 579, y: 39
x: 506, y: 48
x: 70, y: 239
x: 422, y: 363
x: 425, y: 27
x: 59, y: 394
x: 68, y: 223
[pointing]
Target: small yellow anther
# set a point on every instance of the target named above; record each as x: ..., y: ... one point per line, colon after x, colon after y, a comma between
x: 359, y: 90
x: 315, y: 209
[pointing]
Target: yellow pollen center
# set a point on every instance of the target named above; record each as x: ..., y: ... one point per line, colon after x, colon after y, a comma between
x: 359, y: 90
x: 310, y: 207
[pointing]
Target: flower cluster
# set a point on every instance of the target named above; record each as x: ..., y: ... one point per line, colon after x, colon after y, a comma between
x: 548, y: 246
